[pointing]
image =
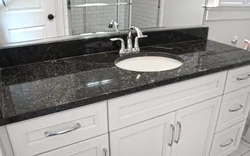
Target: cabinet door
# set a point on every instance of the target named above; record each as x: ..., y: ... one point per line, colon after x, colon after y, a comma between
x: 195, y: 127
x: 149, y: 138
x: 93, y: 147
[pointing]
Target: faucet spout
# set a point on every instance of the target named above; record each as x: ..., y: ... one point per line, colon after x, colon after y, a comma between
x: 129, y: 39
x: 138, y: 31
x: 114, y: 24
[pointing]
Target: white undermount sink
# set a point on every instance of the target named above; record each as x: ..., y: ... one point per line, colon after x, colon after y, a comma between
x: 149, y: 62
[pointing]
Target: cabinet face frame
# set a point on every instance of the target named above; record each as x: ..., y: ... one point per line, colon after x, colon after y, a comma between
x: 175, y: 111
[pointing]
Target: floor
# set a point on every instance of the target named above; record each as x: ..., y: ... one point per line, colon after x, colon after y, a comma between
x: 244, y: 149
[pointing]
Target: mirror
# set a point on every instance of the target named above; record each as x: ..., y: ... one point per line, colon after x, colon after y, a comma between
x: 32, y: 20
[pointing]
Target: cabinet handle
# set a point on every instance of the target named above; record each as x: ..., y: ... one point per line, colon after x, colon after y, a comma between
x: 105, y: 152
x: 179, y: 132
x: 172, y: 135
x: 48, y: 134
x: 235, y: 110
x: 243, y: 78
x: 231, y: 141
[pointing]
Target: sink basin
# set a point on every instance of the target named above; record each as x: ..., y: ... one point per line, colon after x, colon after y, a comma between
x: 149, y: 62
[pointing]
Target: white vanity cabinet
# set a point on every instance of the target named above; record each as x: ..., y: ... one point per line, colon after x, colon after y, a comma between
x: 203, y: 116
x: 188, y: 131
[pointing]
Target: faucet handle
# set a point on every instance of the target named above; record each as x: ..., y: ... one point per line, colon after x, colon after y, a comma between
x: 136, y: 46
x: 122, y: 50
x: 144, y: 36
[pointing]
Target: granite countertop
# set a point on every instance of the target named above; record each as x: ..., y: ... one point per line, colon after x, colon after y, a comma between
x: 38, y: 89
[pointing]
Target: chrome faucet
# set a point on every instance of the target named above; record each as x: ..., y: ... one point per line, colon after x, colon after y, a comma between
x: 114, y: 24
x: 123, y: 49
x: 129, y: 39
x: 130, y: 48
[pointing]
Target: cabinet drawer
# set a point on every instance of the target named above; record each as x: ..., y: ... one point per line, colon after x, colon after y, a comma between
x: 237, y: 79
x: 234, y: 109
x: 32, y: 137
x: 94, y: 147
x: 227, y: 141
x: 131, y: 109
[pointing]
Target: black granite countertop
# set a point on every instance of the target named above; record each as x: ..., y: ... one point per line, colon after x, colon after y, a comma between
x: 38, y: 89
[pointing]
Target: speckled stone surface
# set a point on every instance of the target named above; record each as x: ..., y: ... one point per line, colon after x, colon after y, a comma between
x: 38, y: 89
x: 84, y: 45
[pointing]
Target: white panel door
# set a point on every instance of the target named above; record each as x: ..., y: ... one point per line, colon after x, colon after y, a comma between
x: 150, y: 138
x: 26, y: 20
x: 195, y: 128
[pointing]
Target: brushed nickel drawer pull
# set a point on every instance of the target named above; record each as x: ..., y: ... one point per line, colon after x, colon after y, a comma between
x: 235, y: 110
x: 48, y: 134
x: 105, y: 152
x: 172, y: 135
x: 179, y: 133
x: 244, y: 78
x: 231, y: 141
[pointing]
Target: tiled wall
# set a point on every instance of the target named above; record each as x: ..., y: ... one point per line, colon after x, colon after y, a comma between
x: 66, y: 18
x: 77, y: 17
x: 145, y: 13
x: 96, y: 19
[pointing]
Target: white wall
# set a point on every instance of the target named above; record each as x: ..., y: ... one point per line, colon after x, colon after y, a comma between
x: 224, y: 31
x: 183, y: 12
x: 226, y: 22
x: 145, y: 13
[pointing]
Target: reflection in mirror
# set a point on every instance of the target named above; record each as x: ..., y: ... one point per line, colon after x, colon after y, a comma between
x: 97, y: 14
x: 30, y: 20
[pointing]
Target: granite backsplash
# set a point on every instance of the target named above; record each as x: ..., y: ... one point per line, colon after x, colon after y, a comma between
x: 14, y: 56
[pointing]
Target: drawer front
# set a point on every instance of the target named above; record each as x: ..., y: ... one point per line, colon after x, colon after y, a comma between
x: 227, y: 141
x: 138, y: 107
x: 40, y: 135
x: 98, y: 146
x: 237, y: 79
x: 234, y: 109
